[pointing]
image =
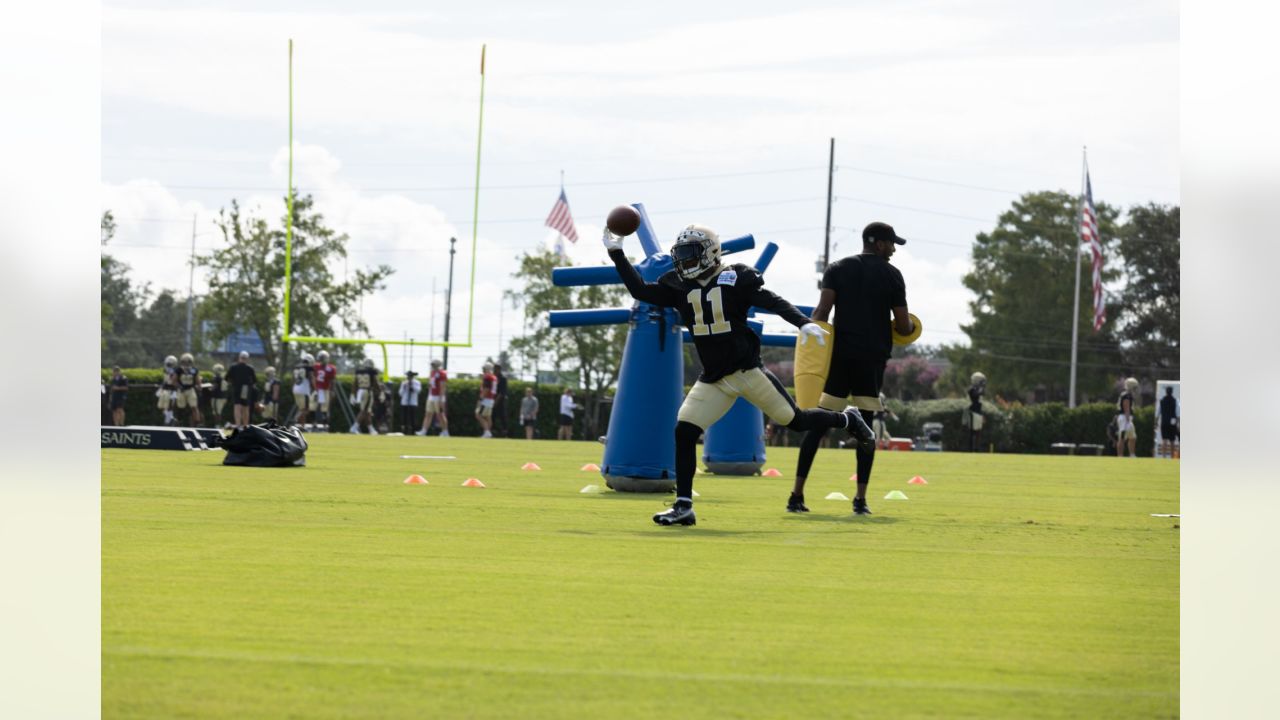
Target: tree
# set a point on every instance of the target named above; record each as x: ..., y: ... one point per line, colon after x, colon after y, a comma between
x: 1023, y: 278
x: 1149, y: 317
x: 910, y: 378
x: 595, y: 351
x: 246, y: 279
x: 121, y: 302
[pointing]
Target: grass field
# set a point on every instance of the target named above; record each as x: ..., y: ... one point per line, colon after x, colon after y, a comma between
x: 1009, y: 586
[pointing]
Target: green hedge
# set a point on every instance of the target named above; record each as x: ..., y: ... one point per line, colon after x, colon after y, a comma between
x: 140, y: 408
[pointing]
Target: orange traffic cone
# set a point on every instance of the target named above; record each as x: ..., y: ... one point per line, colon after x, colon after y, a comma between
x: 415, y: 480
x: 472, y: 482
x: 853, y: 477
x: 771, y: 472
x: 917, y: 480
x: 591, y: 467
x: 530, y: 466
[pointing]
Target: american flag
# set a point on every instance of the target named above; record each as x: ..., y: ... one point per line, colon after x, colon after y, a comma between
x: 560, y: 220
x: 1089, y: 233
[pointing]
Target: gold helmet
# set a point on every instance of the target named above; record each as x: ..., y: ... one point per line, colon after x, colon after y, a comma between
x: 696, y: 251
x: 217, y: 367
x: 270, y: 371
x: 978, y: 378
x: 186, y: 359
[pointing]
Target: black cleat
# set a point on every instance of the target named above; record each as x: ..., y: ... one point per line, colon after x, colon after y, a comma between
x: 678, y: 514
x: 860, y: 507
x: 859, y: 429
x: 796, y: 504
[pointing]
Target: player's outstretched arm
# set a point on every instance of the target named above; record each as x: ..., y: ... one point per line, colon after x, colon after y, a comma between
x: 652, y: 293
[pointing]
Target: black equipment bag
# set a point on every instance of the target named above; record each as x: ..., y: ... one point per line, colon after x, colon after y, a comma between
x: 265, y: 445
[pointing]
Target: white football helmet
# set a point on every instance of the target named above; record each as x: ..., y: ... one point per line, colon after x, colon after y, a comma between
x: 488, y: 367
x: 170, y: 361
x: 436, y: 364
x: 323, y: 356
x: 306, y: 358
x: 696, y: 251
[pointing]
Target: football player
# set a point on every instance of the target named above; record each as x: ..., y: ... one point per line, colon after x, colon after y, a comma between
x: 713, y: 300
x: 325, y: 373
x: 218, y: 396
x: 303, y: 380
x: 484, y: 405
x: 437, y: 391
x: 367, y: 386
x: 167, y: 393
x: 188, y: 379
x: 270, y: 395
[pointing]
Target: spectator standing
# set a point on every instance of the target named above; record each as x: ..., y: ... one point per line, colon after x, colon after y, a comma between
x: 1126, y: 432
x: 499, y: 422
x: 437, y: 400
x: 119, y: 393
x: 218, y: 393
x: 270, y: 395
x: 567, y: 406
x: 243, y: 380
x: 484, y: 406
x: 325, y: 372
x: 410, y: 389
x: 977, y: 386
x: 167, y: 393
x: 529, y: 412
x: 1167, y: 416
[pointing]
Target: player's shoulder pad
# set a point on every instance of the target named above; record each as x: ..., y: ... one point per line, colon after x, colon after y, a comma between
x: 741, y: 276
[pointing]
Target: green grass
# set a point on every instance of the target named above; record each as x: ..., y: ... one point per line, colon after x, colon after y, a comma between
x: 1009, y: 586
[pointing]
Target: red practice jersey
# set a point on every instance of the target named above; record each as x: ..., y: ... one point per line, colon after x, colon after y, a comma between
x: 325, y: 375
x: 436, y: 383
x: 489, y: 386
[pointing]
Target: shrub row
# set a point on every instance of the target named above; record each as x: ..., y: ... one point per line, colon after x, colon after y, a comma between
x: 1018, y: 429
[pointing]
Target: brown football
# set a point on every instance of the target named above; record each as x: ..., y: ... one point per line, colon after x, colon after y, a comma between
x: 623, y: 220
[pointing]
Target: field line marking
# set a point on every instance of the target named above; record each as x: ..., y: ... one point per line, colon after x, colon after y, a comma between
x: 134, y: 651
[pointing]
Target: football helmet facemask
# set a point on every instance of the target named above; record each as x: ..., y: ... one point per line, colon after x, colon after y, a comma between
x: 696, y: 251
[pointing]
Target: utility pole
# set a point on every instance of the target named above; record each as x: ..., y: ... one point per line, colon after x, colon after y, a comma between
x: 431, y: 325
x: 191, y: 281
x: 831, y: 172
x: 448, y: 301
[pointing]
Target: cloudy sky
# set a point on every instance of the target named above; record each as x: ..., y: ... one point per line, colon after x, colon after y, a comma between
x: 942, y: 113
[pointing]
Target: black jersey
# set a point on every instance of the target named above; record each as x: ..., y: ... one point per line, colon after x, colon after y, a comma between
x: 218, y: 391
x: 188, y: 377
x: 867, y: 289
x: 366, y: 379
x: 714, y: 311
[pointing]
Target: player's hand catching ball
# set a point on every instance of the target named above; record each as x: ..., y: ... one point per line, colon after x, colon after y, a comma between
x: 813, y: 330
x: 611, y: 241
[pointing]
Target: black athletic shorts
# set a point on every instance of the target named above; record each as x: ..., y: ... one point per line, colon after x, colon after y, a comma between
x: 117, y: 403
x: 861, y: 374
x: 1168, y: 431
x: 243, y: 394
x: 566, y: 420
x: 529, y: 422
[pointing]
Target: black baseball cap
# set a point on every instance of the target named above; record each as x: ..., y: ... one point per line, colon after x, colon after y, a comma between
x: 881, y: 231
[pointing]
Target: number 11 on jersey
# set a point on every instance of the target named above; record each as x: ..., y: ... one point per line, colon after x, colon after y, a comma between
x: 718, y: 324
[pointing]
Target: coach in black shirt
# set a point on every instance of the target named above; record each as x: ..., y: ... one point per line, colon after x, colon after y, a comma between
x: 865, y: 290
x: 243, y: 382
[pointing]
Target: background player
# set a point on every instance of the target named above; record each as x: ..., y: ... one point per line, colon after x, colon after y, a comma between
x: 270, y: 395
x: 303, y: 381
x: 367, y: 386
x: 188, y: 381
x: 864, y: 289
x: 218, y: 393
x: 437, y: 382
x: 488, y: 394
x: 713, y: 301
x: 167, y: 393
x: 325, y: 372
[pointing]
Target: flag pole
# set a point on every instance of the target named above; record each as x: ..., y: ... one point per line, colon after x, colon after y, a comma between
x: 1075, y: 309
